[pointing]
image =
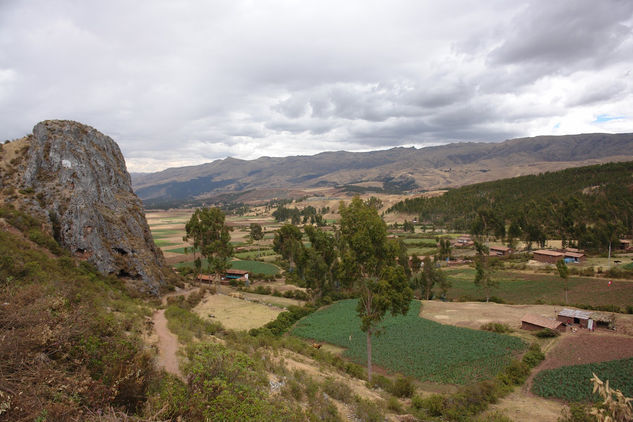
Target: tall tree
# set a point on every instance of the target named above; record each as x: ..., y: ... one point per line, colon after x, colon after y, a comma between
x: 322, y: 260
x: 372, y: 259
x: 563, y: 273
x: 256, y: 231
x: 287, y: 243
x: 430, y: 276
x: 210, y: 237
x: 483, y: 273
x: 444, y: 249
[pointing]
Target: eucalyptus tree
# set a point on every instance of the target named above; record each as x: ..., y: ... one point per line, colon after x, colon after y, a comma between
x: 370, y: 258
x: 210, y: 237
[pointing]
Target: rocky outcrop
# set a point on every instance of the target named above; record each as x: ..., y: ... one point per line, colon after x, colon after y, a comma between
x: 80, y: 183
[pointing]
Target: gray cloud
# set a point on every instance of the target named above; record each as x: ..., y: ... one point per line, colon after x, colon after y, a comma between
x: 187, y: 82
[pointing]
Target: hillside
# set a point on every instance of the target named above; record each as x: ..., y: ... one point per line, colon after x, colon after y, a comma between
x: 394, y: 170
x: 592, y: 205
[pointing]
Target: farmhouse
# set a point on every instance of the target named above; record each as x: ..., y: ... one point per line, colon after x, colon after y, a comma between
x: 576, y: 317
x: 234, y: 274
x: 205, y: 278
x: 463, y: 242
x: 534, y: 322
x: 570, y: 255
x: 625, y: 245
x: 548, y: 256
x: 500, y: 251
x: 573, y: 257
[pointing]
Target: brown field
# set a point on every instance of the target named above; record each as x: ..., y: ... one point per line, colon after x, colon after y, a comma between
x: 234, y: 313
x: 585, y: 347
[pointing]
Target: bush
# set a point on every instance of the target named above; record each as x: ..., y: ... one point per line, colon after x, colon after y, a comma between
x: 576, y: 413
x: 417, y: 402
x: 547, y: 333
x: 496, y: 327
x: 403, y: 387
x: 367, y: 411
x: 434, y: 404
x: 394, y: 405
x: 337, y: 390
x: 534, y: 356
x: 381, y: 382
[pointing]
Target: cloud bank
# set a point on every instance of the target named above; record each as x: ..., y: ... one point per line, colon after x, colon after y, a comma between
x: 179, y: 83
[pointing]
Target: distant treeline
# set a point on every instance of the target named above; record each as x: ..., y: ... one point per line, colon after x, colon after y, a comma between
x: 591, y: 206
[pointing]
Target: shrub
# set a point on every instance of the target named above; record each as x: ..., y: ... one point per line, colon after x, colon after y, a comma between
x: 337, y: 390
x: 393, y: 404
x: 417, y: 402
x: 382, y: 382
x: 434, y: 404
x: 367, y: 411
x: 547, y: 333
x: 403, y: 387
x: 533, y: 356
x: 496, y: 327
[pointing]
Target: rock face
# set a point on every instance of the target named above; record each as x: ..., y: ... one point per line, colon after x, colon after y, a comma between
x: 80, y: 183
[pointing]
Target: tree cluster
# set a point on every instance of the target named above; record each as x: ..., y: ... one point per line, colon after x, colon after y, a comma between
x: 589, y: 207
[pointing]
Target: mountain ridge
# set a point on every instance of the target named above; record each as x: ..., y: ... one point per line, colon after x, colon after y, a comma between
x: 397, y: 169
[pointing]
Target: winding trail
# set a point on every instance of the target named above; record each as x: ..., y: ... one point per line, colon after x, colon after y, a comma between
x: 167, y: 341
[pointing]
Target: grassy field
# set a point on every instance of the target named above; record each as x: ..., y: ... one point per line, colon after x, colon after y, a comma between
x: 524, y: 287
x: 414, y: 346
x: 177, y: 250
x: 163, y: 243
x: 252, y: 266
x: 255, y: 267
x: 162, y: 233
x: 255, y: 254
x: 235, y: 314
x: 572, y: 382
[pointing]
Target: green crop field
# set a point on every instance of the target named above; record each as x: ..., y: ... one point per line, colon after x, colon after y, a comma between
x: 523, y: 288
x: 176, y: 250
x: 163, y: 243
x: 414, y: 346
x: 572, y: 383
x: 252, y: 266
x: 255, y: 267
x: 160, y: 233
x: 254, y: 254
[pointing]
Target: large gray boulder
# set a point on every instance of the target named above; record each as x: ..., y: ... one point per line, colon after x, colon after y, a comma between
x: 81, y: 185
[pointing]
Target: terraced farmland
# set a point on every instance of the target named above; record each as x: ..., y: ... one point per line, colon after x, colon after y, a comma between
x: 572, y: 382
x: 414, y: 346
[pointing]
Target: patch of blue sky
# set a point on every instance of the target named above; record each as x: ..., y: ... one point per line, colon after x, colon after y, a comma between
x: 602, y: 118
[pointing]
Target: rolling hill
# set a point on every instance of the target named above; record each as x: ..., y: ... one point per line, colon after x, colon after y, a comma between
x: 394, y: 170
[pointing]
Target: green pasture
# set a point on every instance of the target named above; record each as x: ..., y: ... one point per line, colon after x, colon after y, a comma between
x: 163, y: 243
x: 414, y: 346
x: 252, y: 266
x: 161, y: 233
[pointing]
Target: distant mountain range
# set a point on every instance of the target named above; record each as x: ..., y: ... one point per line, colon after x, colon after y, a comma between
x: 396, y: 170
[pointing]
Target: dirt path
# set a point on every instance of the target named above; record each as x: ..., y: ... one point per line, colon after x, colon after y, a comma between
x: 167, y: 341
x: 167, y: 345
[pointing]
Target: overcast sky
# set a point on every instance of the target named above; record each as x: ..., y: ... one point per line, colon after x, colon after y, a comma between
x: 187, y: 82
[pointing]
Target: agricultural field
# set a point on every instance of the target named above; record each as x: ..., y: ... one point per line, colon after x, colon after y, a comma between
x: 234, y: 313
x: 572, y: 383
x: 414, y: 346
x: 527, y: 287
x: 256, y: 267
